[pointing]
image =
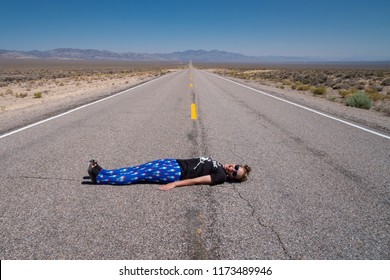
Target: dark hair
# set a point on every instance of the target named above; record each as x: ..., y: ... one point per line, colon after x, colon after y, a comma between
x: 247, y: 170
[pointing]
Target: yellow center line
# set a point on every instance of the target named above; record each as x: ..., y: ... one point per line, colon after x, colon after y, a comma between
x: 193, y: 111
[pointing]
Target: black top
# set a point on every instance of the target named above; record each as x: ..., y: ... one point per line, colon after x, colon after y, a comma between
x: 197, y: 167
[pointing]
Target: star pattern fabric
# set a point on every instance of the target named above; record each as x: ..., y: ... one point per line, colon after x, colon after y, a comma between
x: 157, y: 171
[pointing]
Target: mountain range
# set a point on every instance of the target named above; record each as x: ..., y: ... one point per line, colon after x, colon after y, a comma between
x: 185, y: 56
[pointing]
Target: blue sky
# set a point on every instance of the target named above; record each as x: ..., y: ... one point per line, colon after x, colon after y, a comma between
x: 329, y: 28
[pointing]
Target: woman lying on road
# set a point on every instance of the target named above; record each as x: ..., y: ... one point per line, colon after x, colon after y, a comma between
x: 173, y: 172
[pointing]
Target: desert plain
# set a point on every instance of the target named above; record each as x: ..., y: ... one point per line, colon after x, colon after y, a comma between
x: 34, y: 89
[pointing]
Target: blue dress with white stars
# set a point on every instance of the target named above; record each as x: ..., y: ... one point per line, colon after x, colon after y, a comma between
x: 157, y: 171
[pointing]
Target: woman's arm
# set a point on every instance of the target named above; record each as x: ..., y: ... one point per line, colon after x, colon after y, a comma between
x: 204, y: 180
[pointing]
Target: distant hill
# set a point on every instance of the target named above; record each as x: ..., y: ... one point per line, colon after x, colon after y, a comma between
x: 207, y: 56
x: 185, y: 56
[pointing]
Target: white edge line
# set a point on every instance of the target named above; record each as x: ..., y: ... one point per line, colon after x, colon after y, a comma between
x: 79, y: 108
x: 306, y: 108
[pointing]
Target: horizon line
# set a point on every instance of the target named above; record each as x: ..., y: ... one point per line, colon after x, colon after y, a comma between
x: 312, y: 58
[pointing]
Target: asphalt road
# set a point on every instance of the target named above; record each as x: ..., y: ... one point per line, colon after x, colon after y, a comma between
x: 319, y: 188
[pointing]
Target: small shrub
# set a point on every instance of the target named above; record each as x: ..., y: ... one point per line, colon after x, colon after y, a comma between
x: 9, y: 92
x: 374, y: 88
x: 38, y: 95
x: 361, y: 86
x: 318, y: 90
x: 344, y: 93
x: 21, y: 95
x: 303, y: 87
x: 386, y: 82
x: 386, y: 111
x: 341, y: 86
x: 375, y: 96
x: 359, y: 100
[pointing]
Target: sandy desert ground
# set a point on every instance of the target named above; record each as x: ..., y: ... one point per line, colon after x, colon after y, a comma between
x: 31, y: 89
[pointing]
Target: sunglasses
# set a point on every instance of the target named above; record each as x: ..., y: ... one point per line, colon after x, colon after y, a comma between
x: 236, y: 167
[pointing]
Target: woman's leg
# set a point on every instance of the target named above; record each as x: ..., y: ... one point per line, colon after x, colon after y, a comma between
x: 158, y: 171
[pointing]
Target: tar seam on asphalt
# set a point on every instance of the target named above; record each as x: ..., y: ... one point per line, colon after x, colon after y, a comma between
x: 39, y: 177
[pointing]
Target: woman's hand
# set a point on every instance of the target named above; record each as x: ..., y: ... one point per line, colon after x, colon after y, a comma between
x: 167, y: 186
x: 206, y: 180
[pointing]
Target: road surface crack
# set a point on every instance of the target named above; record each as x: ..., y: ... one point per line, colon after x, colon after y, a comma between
x: 271, y: 228
x: 39, y: 178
